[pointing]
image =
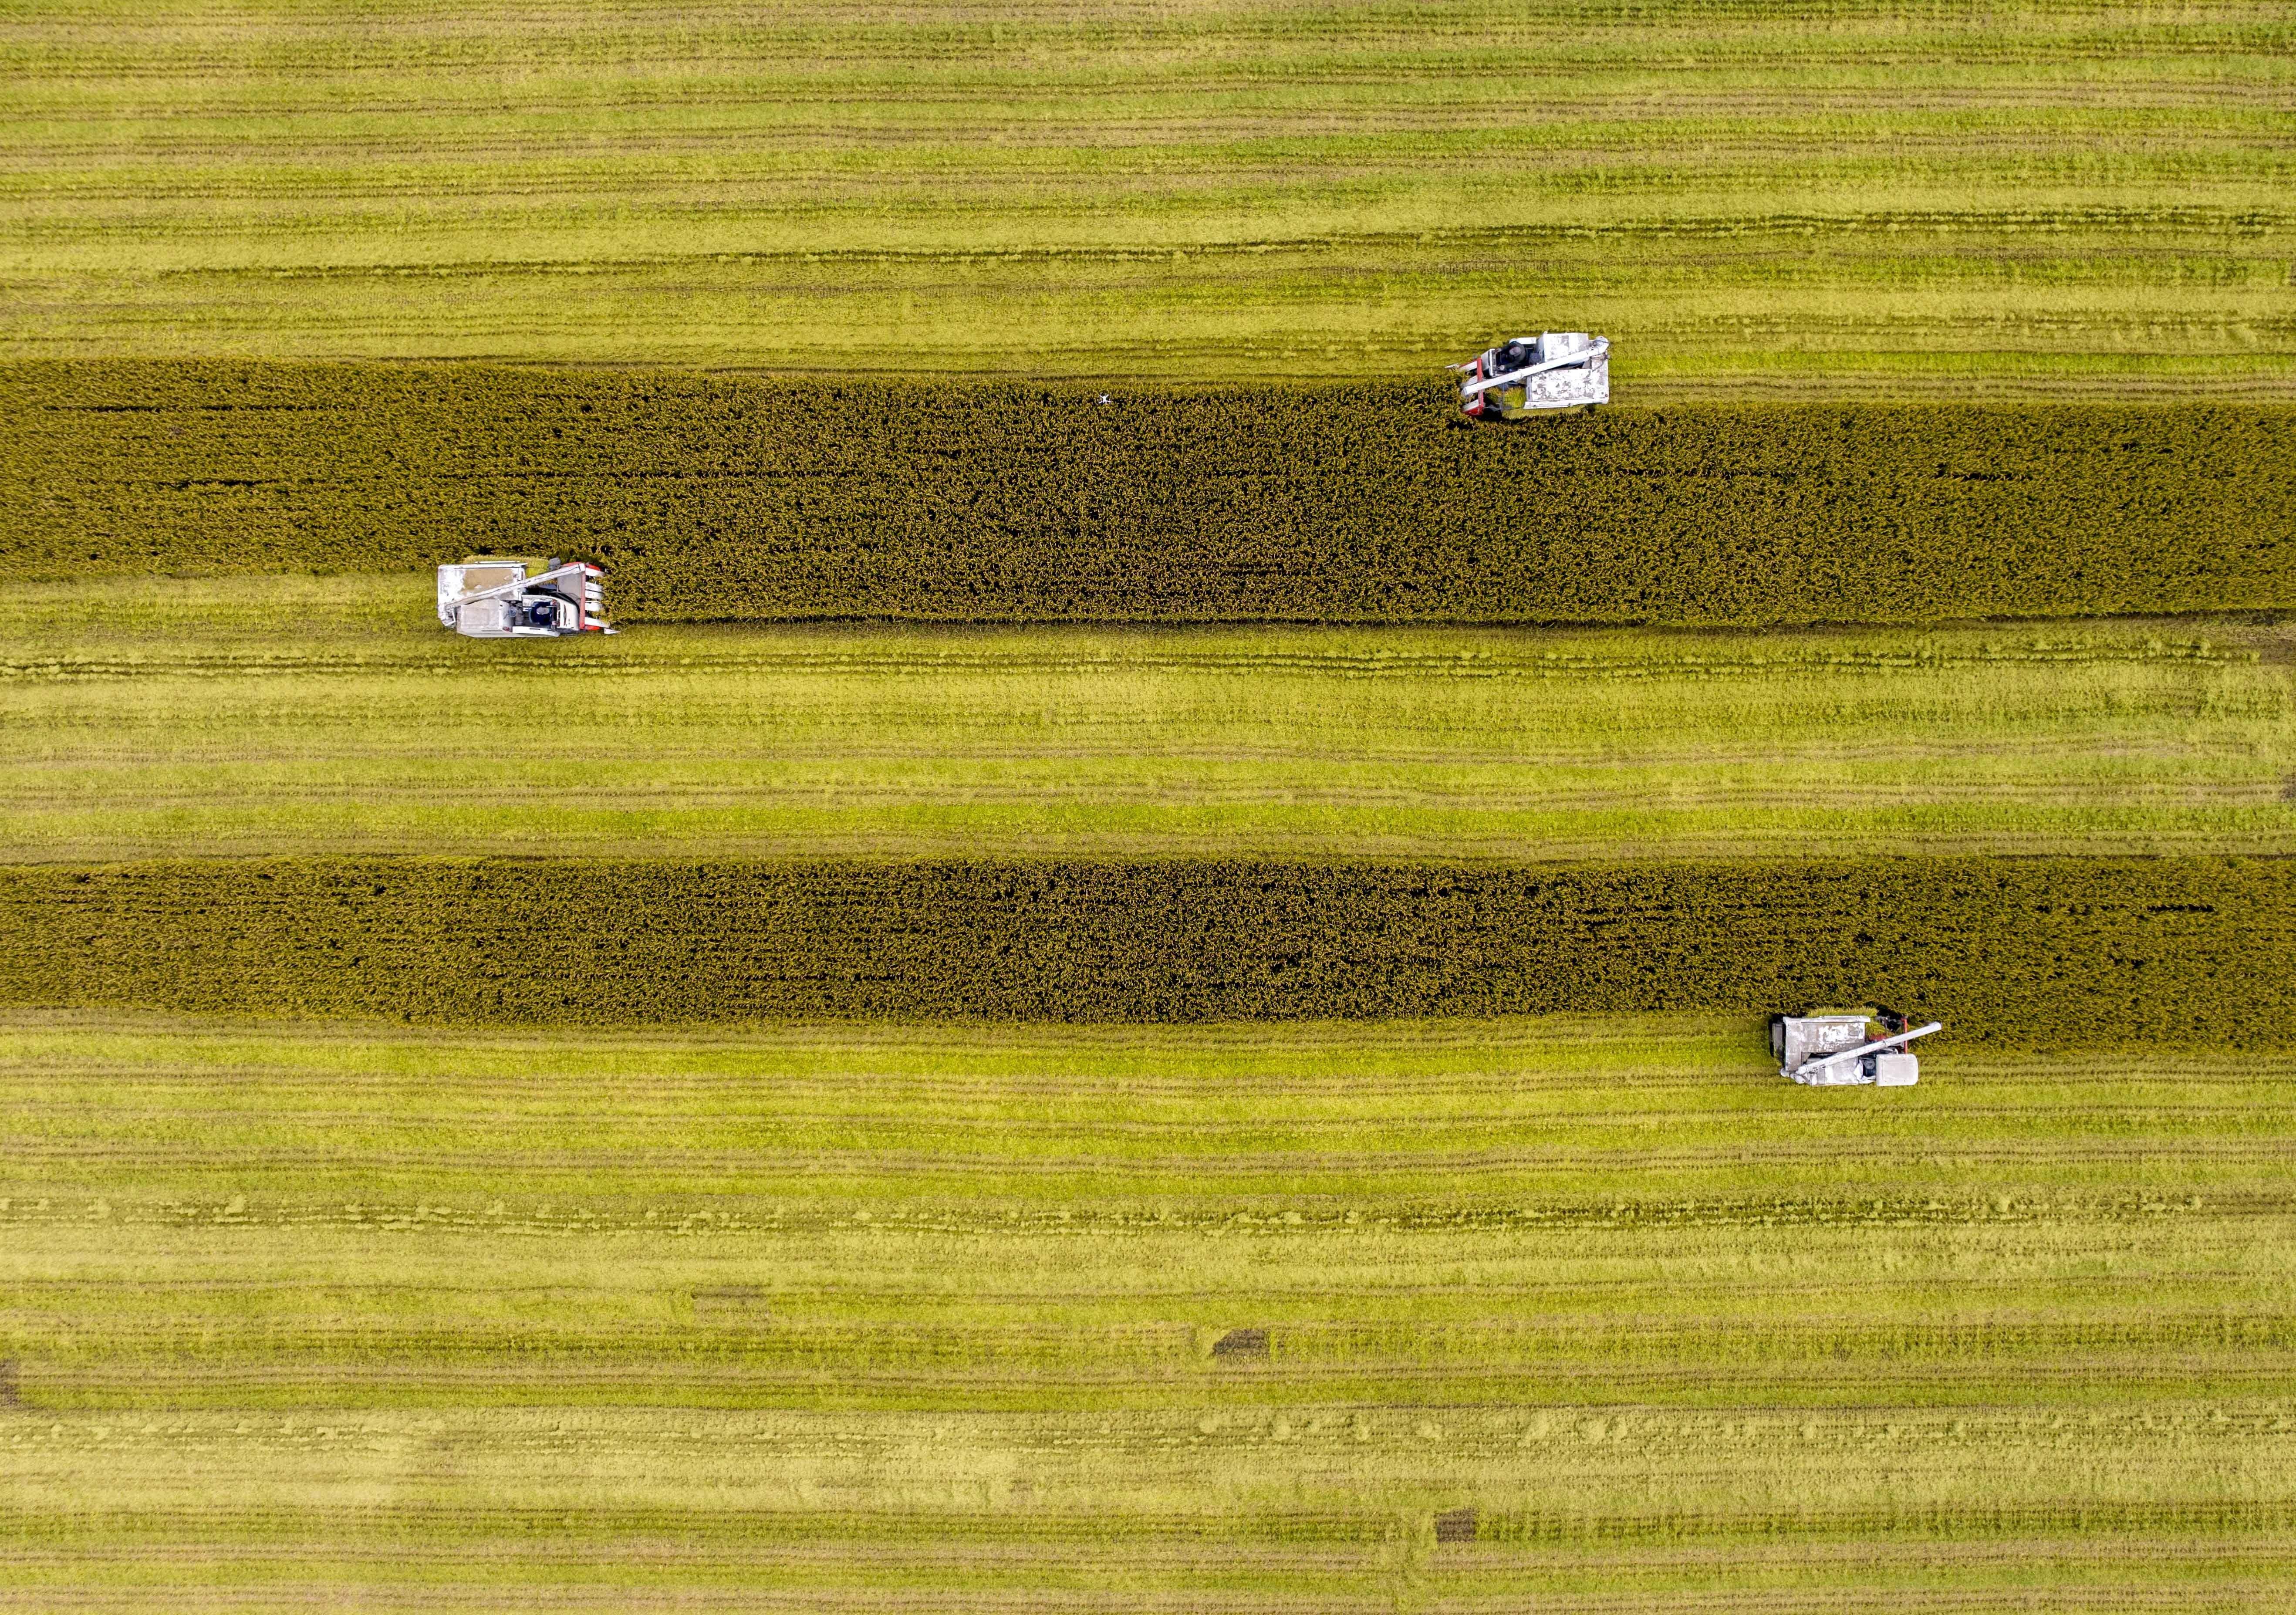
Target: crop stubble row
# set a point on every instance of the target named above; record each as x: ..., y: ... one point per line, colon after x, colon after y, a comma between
x: 525, y: 1310
x: 234, y: 717
x: 722, y: 497
x: 2069, y: 950
x: 2064, y: 199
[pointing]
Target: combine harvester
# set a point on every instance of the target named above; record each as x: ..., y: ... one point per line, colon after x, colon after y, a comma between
x: 1840, y: 1051
x: 522, y: 597
x: 1530, y: 375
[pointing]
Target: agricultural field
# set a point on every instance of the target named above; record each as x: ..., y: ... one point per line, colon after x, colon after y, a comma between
x: 717, y: 498
x: 1138, y: 984
x: 2070, y: 200
x: 299, y: 716
x: 1571, y: 1314
x: 2082, y: 952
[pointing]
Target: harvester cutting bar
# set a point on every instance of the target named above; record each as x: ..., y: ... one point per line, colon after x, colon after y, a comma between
x: 1810, y: 1070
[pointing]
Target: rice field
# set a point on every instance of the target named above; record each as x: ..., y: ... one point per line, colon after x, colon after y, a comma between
x: 2066, y: 198
x: 244, y: 717
x: 1473, y: 1315
x: 573, y: 1238
x: 1569, y: 1314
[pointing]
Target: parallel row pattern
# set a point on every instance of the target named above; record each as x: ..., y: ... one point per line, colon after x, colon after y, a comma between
x: 721, y: 498
x: 2048, y: 195
x: 1591, y: 1316
x: 154, y: 717
x: 2081, y: 951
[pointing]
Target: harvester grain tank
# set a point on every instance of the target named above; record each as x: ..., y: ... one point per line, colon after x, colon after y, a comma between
x: 1530, y: 375
x: 522, y: 597
x: 1828, y: 1050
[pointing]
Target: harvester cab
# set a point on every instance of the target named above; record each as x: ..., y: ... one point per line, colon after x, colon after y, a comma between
x: 1554, y: 369
x: 1828, y: 1050
x: 522, y: 597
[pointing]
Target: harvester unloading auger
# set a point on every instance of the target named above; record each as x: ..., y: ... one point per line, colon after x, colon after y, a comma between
x: 522, y: 597
x: 1554, y: 369
x: 1840, y: 1051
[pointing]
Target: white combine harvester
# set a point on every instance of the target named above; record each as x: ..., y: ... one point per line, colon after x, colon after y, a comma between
x: 1840, y: 1051
x: 1554, y: 369
x: 522, y: 597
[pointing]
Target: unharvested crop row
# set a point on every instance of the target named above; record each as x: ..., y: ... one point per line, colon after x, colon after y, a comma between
x: 2100, y: 951
x: 724, y: 498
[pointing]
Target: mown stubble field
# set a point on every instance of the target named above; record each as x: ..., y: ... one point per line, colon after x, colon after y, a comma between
x: 1145, y: 1319
x: 2061, y: 199
x: 153, y: 717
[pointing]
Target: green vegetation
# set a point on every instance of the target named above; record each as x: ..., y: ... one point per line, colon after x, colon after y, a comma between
x: 847, y: 1318
x: 2062, y: 197
x: 886, y: 1110
x: 713, y: 497
x: 150, y: 718
x: 2085, y: 952
x: 1087, y: 824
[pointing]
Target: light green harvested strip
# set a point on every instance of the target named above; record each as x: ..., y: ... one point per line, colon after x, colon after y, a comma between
x: 2053, y: 199
x: 149, y: 717
x: 378, y: 1346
